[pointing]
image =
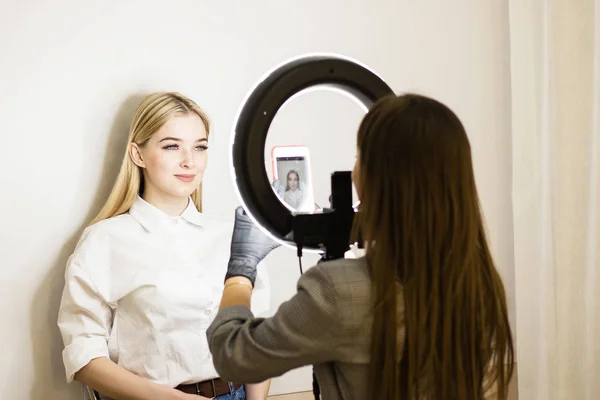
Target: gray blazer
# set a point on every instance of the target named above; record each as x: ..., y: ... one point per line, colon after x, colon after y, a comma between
x: 327, y: 323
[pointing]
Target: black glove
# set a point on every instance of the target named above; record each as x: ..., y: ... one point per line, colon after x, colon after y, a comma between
x: 249, y: 246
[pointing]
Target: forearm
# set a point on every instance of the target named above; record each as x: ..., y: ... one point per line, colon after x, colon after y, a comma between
x: 238, y: 291
x: 258, y: 391
x: 108, y: 378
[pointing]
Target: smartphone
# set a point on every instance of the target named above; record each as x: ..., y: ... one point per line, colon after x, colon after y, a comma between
x: 292, y: 177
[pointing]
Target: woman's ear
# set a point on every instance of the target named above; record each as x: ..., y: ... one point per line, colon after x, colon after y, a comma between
x: 136, y: 155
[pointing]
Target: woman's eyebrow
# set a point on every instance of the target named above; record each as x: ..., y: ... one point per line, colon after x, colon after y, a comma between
x: 170, y: 138
x: 179, y: 140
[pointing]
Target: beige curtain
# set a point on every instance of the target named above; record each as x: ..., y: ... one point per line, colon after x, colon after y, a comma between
x: 555, y: 67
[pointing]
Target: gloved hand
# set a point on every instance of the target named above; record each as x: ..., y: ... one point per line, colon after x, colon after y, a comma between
x: 249, y: 246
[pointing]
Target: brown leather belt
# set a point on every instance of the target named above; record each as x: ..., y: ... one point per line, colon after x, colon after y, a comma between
x: 210, y: 388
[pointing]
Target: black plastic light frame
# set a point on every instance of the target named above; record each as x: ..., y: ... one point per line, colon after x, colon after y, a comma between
x: 256, y: 115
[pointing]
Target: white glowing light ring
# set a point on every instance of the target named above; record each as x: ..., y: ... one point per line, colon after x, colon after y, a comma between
x: 277, y: 87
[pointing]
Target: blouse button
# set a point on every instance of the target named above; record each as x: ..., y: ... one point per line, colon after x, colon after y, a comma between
x: 207, y: 312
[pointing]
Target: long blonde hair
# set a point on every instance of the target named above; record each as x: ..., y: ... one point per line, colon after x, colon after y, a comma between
x: 154, y: 111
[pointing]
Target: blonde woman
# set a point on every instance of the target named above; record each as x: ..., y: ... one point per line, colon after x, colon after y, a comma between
x: 146, y: 277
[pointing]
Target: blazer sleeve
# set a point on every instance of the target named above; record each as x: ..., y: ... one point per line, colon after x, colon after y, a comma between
x: 303, y: 331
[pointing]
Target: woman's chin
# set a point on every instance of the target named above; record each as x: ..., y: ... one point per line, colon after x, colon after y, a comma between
x: 183, y: 191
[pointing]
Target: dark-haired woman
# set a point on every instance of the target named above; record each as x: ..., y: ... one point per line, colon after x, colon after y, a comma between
x: 422, y: 315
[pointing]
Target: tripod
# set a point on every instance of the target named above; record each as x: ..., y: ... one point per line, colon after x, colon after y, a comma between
x: 331, y: 229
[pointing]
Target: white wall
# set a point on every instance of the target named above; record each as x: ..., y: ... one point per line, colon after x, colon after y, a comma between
x: 70, y: 77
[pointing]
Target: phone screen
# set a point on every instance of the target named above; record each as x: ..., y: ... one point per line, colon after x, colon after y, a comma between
x: 294, y: 183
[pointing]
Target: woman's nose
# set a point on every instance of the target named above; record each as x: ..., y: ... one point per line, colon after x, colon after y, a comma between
x: 187, y: 161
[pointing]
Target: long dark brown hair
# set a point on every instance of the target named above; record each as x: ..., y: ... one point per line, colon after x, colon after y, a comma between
x: 440, y: 321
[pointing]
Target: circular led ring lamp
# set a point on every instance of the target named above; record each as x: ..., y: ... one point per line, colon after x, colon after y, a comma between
x: 257, y: 112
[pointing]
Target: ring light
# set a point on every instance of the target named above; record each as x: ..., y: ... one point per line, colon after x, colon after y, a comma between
x: 254, y: 118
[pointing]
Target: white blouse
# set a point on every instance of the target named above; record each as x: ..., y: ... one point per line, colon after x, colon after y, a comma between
x: 142, y: 288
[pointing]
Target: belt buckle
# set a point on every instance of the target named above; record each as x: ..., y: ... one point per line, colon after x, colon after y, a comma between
x: 212, y: 382
x: 198, y: 388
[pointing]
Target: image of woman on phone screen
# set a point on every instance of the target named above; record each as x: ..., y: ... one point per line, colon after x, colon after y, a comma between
x: 145, y: 279
x: 293, y: 194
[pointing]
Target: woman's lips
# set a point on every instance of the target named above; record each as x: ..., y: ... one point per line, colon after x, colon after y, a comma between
x: 186, y: 177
